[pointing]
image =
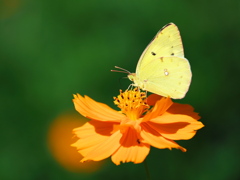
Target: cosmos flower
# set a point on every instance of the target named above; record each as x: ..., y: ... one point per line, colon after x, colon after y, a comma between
x: 128, y: 134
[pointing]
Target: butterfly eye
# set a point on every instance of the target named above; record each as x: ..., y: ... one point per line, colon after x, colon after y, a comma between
x: 131, y: 76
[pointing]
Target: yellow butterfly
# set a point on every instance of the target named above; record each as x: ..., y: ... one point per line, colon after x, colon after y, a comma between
x: 162, y: 68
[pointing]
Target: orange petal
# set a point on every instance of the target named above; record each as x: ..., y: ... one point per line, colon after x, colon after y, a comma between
x: 160, y: 107
x: 135, y: 154
x: 95, y: 127
x: 153, y: 138
x: 91, y: 134
x: 175, y: 126
x: 104, y: 149
x: 96, y: 140
x: 131, y: 149
x: 152, y: 99
x: 186, y: 109
x: 95, y: 110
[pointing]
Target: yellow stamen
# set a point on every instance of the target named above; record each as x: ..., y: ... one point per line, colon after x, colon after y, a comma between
x: 132, y: 103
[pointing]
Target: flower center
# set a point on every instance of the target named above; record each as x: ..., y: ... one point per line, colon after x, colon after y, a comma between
x: 132, y: 103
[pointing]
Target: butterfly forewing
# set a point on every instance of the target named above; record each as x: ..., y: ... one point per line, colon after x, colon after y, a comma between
x: 166, y: 43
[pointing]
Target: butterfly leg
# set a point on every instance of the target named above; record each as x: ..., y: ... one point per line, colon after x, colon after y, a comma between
x: 130, y: 87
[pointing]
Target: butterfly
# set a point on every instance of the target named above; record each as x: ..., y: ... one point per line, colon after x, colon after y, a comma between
x: 162, y: 68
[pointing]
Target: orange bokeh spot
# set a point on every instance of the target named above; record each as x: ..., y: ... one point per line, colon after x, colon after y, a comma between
x: 9, y: 8
x: 60, y: 137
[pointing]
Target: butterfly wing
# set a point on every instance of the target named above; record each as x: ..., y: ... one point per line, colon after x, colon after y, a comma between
x: 167, y: 76
x: 162, y: 68
x: 166, y: 43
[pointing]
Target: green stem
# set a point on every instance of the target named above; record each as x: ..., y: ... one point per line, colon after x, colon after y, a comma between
x: 147, y: 170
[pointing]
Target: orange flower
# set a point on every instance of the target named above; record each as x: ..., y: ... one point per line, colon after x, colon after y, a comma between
x: 127, y: 135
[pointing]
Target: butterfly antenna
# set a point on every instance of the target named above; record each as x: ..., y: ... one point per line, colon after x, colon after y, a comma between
x: 123, y: 70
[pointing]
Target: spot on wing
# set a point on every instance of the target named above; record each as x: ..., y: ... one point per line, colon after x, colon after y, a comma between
x: 166, y: 73
x: 153, y: 53
x: 172, y: 54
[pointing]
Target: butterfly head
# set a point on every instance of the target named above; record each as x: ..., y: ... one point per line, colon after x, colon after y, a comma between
x: 131, y: 76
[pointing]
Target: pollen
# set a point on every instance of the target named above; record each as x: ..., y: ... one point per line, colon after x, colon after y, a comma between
x: 132, y: 103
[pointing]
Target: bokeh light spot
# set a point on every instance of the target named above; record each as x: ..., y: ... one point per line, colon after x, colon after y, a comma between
x: 9, y: 7
x: 60, y: 138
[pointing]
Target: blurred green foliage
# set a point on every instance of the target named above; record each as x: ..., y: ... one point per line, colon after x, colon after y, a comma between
x: 52, y: 49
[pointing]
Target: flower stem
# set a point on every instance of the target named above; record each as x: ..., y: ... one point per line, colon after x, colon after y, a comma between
x: 147, y: 170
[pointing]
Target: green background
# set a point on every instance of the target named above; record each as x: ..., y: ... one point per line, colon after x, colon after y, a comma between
x: 52, y: 49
